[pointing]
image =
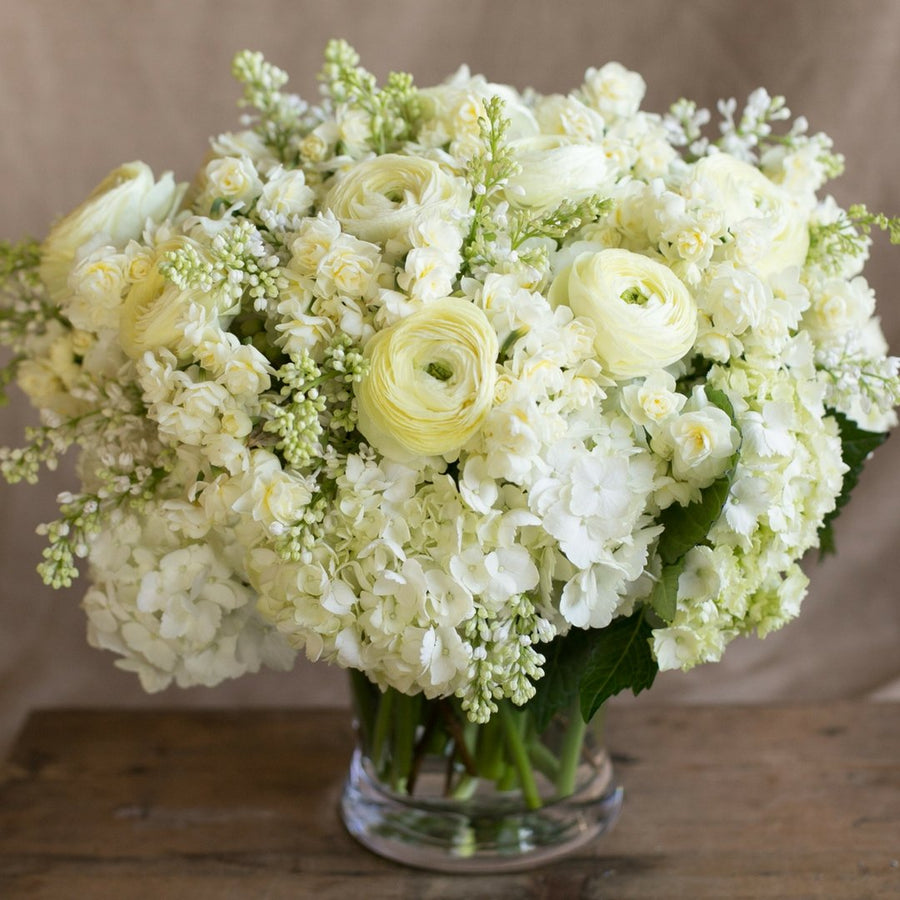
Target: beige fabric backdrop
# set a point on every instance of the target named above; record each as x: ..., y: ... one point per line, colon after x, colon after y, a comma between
x: 87, y: 85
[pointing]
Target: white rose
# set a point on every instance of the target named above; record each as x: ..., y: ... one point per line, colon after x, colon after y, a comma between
x: 117, y: 211
x: 431, y: 381
x: 451, y: 111
x: 245, y: 143
x: 554, y: 169
x: 48, y: 376
x: 777, y: 228
x: 154, y: 312
x: 644, y: 316
x: 313, y: 241
x: 839, y: 308
x: 428, y: 273
x: 381, y: 198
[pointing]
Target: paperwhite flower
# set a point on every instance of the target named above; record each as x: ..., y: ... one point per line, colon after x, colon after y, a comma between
x: 614, y: 91
x: 372, y: 390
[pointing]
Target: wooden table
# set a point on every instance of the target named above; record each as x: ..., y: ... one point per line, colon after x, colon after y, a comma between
x: 736, y: 803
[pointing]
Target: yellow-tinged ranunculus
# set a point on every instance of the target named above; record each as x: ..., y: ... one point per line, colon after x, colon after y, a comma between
x: 745, y: 193
x: 154, y: 309
x: 430, y: 382
x: 115, y: 212
x: 644, y: 316
x: 380, y: 198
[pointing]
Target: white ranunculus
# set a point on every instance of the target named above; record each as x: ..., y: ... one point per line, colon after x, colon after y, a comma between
x: 776, y: 225
x: 554, y: 168
x: 644, y: 316
x: 379, y: 199
x: 431, y: 381
x: 115, y: 212
x: 154, y: 310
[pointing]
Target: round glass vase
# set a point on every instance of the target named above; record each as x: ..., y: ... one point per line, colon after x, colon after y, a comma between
x: 430, y: 789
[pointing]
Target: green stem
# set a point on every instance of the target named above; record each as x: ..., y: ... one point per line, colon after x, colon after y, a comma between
x: 489, y: 751
x: 510, y: 719
x: 382, y: 730
x: 366, y: 703
x: 544, y: 759
x: 570, y: 752
x: 406, y: 718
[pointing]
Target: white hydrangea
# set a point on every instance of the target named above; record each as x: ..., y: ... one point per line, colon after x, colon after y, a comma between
x: 174, y: 609
x: 215, y: 355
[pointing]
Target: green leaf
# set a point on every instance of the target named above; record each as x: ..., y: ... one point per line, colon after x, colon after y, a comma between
x: 856, y: 447
x: 620, y: 659
x: 687, y: 526
x: 665, y: 591
x: 566, y: 659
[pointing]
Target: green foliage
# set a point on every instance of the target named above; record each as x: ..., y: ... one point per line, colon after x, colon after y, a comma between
x: 25, y: 309
x: 687, y: 526
x: 664, y: 597
x: 20, y: 259
x: 621, y: 659
x: 594, y: 665
x: 857, y: 445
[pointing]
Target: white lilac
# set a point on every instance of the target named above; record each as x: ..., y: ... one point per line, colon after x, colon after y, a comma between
x: 421, y: 380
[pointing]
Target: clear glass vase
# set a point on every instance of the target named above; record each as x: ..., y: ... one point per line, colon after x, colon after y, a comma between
x: 430, y: 789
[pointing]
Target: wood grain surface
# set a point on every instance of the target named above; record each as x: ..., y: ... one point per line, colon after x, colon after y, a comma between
x: 736, y: 803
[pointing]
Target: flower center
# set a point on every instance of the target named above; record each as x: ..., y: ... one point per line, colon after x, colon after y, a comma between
x: 634, y: 295
x: 439, y: 370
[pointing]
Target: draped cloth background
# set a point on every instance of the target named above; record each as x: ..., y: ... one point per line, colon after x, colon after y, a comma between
x: 85, y: 86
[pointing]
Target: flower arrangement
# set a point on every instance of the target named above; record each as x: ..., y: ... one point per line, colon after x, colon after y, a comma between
x: 487, y: 395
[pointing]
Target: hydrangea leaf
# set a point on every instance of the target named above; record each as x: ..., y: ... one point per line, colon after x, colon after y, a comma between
x: 566, y: 658
x: 591, y: 665
x: 620, y: 659
x: 664, y: 597
x: 687, y: 526
x: 857, y: 445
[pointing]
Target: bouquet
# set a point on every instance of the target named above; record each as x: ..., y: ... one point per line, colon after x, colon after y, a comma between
x: 486, y: 395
